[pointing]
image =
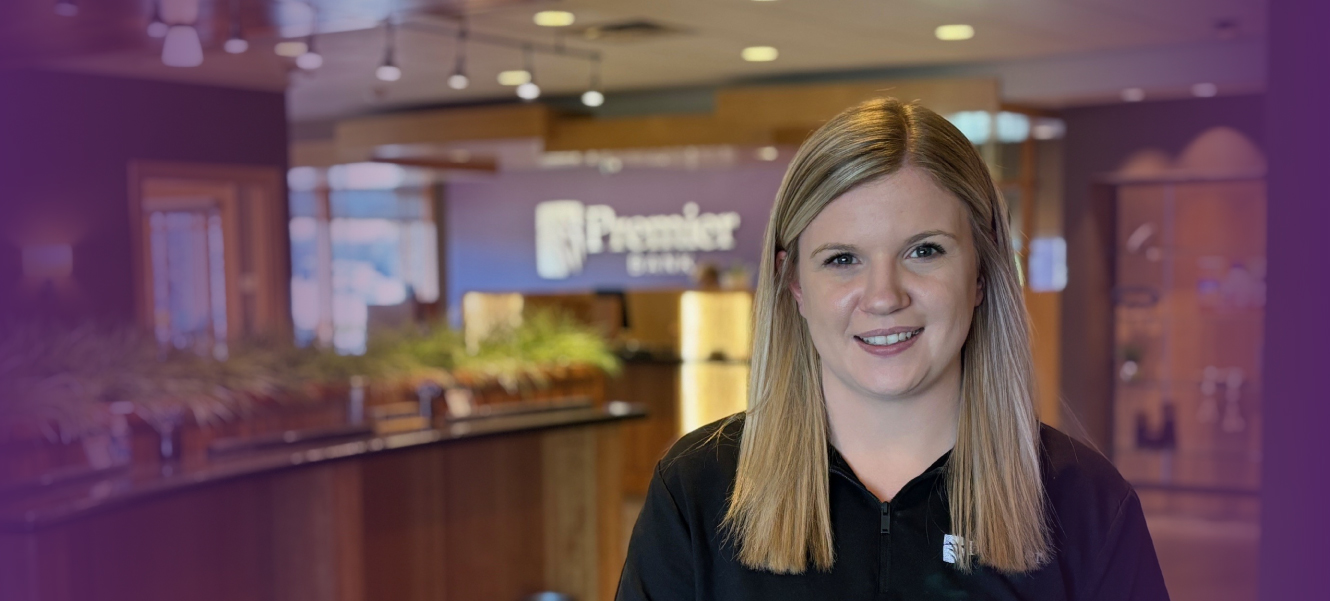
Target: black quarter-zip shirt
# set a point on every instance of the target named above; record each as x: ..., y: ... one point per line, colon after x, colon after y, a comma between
x: 898, y: 550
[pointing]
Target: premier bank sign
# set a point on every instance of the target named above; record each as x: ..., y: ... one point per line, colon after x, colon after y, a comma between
x: 567, y: 232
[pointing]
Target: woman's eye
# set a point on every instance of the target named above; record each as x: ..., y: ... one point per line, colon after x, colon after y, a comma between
x: 841, y: 259
x: 925, y: 251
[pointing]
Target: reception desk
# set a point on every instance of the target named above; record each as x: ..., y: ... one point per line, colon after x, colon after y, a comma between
x: 496, y: 508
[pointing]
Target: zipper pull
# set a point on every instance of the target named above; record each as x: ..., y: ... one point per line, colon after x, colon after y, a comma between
x: 886, y: 519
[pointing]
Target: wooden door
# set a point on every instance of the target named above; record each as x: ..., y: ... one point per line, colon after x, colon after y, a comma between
x: 211, y: 262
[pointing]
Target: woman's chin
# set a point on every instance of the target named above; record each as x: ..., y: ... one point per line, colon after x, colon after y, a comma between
x: 891, y: 389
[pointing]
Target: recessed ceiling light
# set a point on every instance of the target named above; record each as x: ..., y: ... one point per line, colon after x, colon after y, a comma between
x: 236, y: 46
x: 388, y: 72
x: 767, y: 153
x: 593, y: 98
x: 553, y: 18
x: 952, y: 33
x: 1204, y: 90
x: 760, y: 54
x: 309, y: 61
x: 1133, y: 94
x: 514, y: 78
x: 528, y: 91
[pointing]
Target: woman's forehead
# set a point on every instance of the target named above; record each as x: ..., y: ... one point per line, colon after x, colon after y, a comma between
x: 894, y: 206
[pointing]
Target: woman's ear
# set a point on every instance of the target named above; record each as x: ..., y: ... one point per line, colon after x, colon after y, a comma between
x: 979, y: 292
x: 795, y: 290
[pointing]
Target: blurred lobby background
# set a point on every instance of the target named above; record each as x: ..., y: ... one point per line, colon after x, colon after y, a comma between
x: 403, y: 299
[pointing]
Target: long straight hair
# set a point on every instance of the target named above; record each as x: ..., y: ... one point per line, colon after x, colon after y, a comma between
x: 779, y: 512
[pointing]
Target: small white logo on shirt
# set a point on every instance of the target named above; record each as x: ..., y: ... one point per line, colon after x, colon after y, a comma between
x: 951, y: 547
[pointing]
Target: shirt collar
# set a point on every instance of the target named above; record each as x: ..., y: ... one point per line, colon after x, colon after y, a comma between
x: 837, y: 464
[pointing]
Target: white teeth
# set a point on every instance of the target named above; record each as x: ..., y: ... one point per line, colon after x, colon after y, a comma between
x: 889, y: 339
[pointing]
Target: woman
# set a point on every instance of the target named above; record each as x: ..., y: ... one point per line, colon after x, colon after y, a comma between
x: 891, y: 447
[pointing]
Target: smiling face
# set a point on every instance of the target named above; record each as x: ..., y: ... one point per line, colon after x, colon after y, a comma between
x: 887, y: 281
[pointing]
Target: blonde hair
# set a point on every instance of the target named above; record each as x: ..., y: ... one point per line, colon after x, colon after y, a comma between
x: 779, y: 513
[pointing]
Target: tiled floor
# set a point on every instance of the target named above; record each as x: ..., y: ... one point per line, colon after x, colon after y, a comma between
x: 1203, y: 560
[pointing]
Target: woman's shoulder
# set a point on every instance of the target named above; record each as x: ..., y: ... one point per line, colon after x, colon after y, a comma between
x: 1080, y: 480
x: 703, y: 462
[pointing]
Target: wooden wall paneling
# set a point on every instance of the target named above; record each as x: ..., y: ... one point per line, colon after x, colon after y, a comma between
x: 1088, y: 322
x: 582, y: 498
x: 493, y: 518
x: 405, y: 534
x: 568, y: 482
x: 609, y: 497
x: 318, y: 534
x: 656, y: 131
x: 793, y: 105
x: 444, y: 125
x: 264, y: 261
x: 21, y: 572
x: 209, y: 544
x: 746, y: 116
x: 53, y: 565
x: 490, y: 518
x: 656, y: 385
x: 325, y: 153
x: 1045, y: 340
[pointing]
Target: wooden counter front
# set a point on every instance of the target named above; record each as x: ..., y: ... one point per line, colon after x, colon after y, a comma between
x: 496, y: 510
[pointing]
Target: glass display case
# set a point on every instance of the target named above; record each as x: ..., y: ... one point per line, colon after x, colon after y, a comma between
x: 1189, y: 299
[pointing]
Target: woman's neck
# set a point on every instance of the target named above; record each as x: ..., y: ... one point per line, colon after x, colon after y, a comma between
x: 889, y: 441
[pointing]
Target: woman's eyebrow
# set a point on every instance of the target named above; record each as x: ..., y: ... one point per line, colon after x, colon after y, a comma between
x: 929, y: 234
x: 834, y: 246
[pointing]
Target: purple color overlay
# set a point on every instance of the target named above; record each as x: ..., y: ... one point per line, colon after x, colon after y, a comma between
x: 1295, y: 523
x: 66, y: 142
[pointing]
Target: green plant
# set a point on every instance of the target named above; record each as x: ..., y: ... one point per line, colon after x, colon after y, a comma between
x: 545, y: 339
x: 511, y: 356
x: 60, y: 380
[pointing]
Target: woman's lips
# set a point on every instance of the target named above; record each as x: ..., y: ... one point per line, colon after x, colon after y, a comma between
x: 888, y: 349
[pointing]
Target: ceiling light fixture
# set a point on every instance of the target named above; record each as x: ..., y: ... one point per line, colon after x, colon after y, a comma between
x: 236, y: 45
x: 291, y: 48
x: 66, y: 8
x: 389, y: 71
x: 311, y: 59
x: 182, y: 47
x: 515, y: 77
x: 528, y: 91
x: 760, y: 54
x: 157, y: 28
x: 235, y: 42
x: 593, y: 97
x: 954, y: 33
x: 553, y: 18
x: 458, y: 80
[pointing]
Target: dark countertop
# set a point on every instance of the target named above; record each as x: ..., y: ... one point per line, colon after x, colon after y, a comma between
x: 31, y: 510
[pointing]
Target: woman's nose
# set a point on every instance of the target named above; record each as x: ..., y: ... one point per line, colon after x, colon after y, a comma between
x: 883, y: 291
